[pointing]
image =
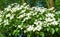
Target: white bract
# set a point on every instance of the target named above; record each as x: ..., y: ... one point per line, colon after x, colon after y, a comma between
x: 23, y: 11
x: 42, y: 10
x: 0, y: 15
x: 21, y: 7
x: 20, y: 26
x: 8, y: 8
x: 27, y: 18
x: 38, y: 23
x: 54, y: 23
x: 51, y: 8
x: 6, y: 22
x: 49, y: 19
x: 21, y: 16
x: 12, y: 16
x: 15, y: 8
x: 0, y: 19
x: 38, y: 28
x: 30, y: 28
x: 50, y: 15
x: 8, y: 15
x: 25, y: 31
x: 34, y: 13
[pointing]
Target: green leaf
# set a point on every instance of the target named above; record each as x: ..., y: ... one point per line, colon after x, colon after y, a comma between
x: 52, y: 30
x: 47, y: 29
x: 1, y: 35
x: 56, y: 29
x: 42, y: 34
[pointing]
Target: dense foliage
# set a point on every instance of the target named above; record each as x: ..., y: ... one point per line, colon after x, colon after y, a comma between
x: 33, y: 22
x: 57, y: 4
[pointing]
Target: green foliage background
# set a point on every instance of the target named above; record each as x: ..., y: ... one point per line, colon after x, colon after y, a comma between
x: 57, y: 4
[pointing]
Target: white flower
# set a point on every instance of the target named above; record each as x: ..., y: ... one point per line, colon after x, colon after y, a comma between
x: 38, y: 28
x: 12, y: 16
x: 0, y: 15
x: 35, y: 13
x: 26, y: 7
x: 28, y: 14
x: 50, y: 15
x: 48, y: 24
x: 21, y: 7
x: 8, y: 8
x: 6, y: 22
x: 54, y: 23
x: 38, y: 23
x: 8, y: 15
x: 51, y: 8
x: 13, y: 9
x: 22, y: 11
x: 0, y: 19
x: 19, y: 26
x: 42, y: 10
x: 49, y: 19
x: 25, y: 31
x: 17, y: 7
x: 21, y: 16
x: 30, y: 28
x: 26, y: 19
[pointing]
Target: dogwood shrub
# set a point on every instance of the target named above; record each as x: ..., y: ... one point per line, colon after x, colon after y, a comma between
x: 16, y: 19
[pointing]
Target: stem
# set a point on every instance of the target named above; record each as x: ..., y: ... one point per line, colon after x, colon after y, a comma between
x: 50, y: 3
x: 23, y: 1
